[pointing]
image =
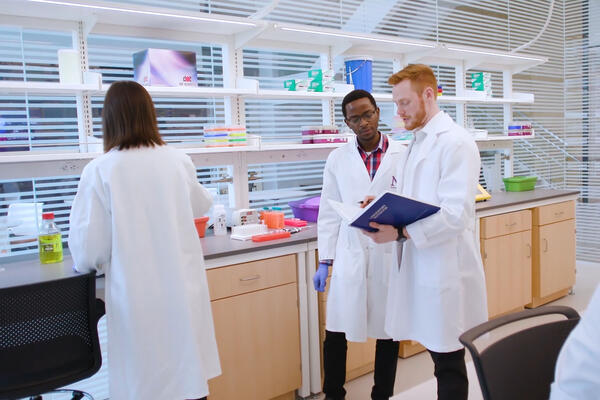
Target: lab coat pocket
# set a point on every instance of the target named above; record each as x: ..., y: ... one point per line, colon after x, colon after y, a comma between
x: 381, y: 259
x: 351, y: 257
x: 438, y: 268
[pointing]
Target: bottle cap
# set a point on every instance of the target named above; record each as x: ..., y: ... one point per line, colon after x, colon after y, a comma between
x: 48, y: 215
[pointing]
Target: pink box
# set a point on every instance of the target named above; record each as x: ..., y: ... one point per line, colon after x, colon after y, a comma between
x: 309, y: 131
x: 162, y: 67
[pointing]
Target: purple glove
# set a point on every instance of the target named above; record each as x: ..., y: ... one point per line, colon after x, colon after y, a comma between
x: 320, y: 277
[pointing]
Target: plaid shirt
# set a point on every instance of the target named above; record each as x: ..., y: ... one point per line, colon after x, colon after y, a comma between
x: 373, y: 161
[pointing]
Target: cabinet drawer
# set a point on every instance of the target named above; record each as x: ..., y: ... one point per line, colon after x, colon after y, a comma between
x: 554, y: 213
x: 248, y: 277
x: 505, y: 224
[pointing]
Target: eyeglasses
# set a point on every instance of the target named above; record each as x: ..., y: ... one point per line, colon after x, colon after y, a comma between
x: 366, y: 116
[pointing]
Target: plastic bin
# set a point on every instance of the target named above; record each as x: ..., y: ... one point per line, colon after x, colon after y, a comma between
x: 519, y: 183
x: 306, y: 209
x: 201, y: 225
x: 359, y: 72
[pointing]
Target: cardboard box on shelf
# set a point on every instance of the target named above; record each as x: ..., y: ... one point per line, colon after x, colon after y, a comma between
x: 162, y: 67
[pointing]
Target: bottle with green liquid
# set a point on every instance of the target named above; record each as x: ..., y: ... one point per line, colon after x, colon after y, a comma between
x: 50, y: 240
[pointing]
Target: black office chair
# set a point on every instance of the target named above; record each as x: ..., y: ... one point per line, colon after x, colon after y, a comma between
x: 49, y: 336
x: 520, y: 365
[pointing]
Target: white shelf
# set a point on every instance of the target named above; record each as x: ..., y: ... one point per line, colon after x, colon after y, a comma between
x: 44, y: 156
x: 198, y: 91
x: 50, y: 88
x: 519, y: 98
x: 256, y: 147
x: 474, y: 57
x: 488, y: 139
x: 300, y: 95
x: 299, y: 146
x: 44, y: 88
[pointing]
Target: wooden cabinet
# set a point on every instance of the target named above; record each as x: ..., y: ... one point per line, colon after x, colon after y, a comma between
x: 255, y: 311
x: 506, y: 251
x: 553, y: 252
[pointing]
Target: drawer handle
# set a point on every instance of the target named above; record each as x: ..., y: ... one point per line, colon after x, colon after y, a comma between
x: 510, y: 225
x: 529, y: 248
x: 559, y: 213
x: 250, y: 278
x: 545, y: 245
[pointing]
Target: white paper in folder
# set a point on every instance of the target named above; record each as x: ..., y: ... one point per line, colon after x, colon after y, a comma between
x: 347, y: 211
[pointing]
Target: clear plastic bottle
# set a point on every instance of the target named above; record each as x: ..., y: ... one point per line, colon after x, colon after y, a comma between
x: 50, y: 240
x: 219, y: 220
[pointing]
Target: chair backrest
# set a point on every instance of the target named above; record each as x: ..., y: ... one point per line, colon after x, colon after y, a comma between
x: 48, y: 335
x: 520, y: 365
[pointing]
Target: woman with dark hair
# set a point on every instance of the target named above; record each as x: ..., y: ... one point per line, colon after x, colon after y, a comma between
x: 132, y: 219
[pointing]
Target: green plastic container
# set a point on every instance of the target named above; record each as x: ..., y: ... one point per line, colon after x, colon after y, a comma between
x: 520, y: 183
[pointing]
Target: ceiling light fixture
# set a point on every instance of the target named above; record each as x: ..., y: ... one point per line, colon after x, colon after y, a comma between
x: 489, y: 53
x: 350, y: 36
x: 154, y: 13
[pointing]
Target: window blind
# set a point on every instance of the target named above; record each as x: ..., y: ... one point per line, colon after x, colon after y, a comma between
x: 582, y: 126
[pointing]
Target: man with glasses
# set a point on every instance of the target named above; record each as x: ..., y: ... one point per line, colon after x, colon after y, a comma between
x: 356, y: 301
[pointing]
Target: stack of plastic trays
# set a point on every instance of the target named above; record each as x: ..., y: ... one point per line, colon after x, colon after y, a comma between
x: 225, y: 135
x: 237, y: 135
x: 216, y: 136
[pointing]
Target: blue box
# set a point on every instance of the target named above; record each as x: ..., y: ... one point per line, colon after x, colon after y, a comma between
x: 162, y: 67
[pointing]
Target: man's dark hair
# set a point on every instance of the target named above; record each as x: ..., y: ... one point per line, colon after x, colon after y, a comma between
x: 355, y: 95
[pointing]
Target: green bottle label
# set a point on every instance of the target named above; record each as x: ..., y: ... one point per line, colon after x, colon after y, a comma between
x: 51, y: 250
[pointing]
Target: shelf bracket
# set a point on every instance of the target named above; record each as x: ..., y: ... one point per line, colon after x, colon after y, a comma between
x: 243, y: 38
x: 340, y: 48
x: 472, y: 63
x: 413, y: 57
x: 88, y: 23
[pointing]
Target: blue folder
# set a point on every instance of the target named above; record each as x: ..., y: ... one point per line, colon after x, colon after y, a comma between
x: 393, y: 209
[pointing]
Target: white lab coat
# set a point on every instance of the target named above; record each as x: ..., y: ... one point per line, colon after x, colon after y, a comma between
x: 132, y: 218
x: 577, y: 375
x: 358, y: 287
x: 439, y: 290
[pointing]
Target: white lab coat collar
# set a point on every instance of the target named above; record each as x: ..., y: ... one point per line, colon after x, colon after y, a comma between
x: 441, y: 122
x: 351, y: 148
x: 379, y: 146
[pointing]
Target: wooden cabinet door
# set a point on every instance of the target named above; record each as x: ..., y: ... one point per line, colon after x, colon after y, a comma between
x: 258, y: 336
x: 360, y: 358
x: 556, y: 247
x: 507, y: 265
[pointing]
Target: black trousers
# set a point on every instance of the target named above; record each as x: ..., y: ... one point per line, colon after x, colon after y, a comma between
x: 451, y: 374
x: 335, y: 349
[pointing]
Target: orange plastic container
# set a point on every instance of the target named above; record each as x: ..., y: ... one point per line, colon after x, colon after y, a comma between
x: 201, y: 225
x: 274, y: 219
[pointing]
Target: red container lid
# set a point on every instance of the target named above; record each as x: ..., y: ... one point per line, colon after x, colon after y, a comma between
x: 48, y: 215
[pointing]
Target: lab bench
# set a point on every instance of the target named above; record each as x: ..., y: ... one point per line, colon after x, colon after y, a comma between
x: 269, y: 320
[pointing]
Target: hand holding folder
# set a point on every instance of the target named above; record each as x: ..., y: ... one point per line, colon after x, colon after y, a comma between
x: 388, y: 208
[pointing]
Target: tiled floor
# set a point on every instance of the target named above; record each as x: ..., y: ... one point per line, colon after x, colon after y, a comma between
x: 414, y: 377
